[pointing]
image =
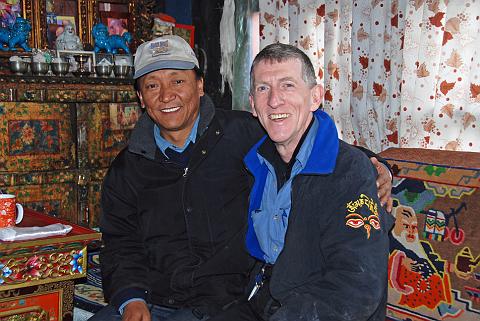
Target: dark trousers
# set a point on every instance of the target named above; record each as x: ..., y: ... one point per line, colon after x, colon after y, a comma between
x: 158, y: 313
x: 260, y: 307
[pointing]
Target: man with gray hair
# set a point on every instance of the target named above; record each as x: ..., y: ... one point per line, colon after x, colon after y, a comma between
x: 175, y: 200
x: 316, y: 225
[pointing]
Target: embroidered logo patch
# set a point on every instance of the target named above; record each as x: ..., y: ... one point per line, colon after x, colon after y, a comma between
x: 159, y: 48
x: 363, y: 204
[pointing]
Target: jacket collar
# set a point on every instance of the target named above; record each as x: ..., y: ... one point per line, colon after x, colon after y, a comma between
x: 324, y: 152
x: 142, y: 140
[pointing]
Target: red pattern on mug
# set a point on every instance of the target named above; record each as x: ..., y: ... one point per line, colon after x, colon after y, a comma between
x: 11, y: 213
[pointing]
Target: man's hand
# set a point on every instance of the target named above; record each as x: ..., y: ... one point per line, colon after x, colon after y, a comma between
x: 384, y: 184
x: 136, y: 311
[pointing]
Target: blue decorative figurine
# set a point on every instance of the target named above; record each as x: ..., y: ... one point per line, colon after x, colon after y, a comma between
x: 109, y: 42
x: 15, y: 35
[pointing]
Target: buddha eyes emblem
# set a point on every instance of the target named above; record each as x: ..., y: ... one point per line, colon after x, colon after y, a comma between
x: 355, y: 220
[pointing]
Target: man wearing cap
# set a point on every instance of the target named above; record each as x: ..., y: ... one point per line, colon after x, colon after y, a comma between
x: 174, y: 201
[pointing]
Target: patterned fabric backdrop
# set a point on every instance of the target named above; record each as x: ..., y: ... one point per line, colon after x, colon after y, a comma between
x: 397, y: 73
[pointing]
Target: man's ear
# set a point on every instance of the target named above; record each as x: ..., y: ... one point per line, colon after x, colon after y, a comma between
x: 252, y: 104
x: 139, y: 94
x: 317, y: 93
x: 200, y: 87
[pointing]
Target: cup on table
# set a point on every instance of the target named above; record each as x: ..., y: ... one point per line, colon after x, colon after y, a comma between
x: 11, y: 212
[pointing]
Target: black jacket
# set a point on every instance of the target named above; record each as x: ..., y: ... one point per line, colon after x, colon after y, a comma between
x: 334, y: 262
x: 174, y: 235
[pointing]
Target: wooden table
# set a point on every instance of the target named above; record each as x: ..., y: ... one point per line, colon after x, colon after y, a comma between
x: 36, y: 276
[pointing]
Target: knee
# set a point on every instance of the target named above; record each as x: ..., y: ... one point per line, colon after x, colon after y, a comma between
x: 108, y: 313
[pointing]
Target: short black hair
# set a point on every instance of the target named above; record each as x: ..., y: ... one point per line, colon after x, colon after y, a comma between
x: 198, y: 75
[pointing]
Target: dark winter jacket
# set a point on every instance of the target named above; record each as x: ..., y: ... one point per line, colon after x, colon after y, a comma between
x: 173, y: 235
x: 334, y: 262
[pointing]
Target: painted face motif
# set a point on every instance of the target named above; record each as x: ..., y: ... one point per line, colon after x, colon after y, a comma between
x: 406, y: 224
x: 368, y: 222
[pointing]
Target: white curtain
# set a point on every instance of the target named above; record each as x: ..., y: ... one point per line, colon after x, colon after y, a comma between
x: 396, y: 73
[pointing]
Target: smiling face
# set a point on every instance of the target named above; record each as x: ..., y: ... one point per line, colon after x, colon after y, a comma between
x: 172, y: 99
x: 69, y: 30
x: 283, y: 102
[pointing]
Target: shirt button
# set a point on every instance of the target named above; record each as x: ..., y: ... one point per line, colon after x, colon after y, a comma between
x: 171, y: 301
x: 204, y: 151
x: 275, y: 217
x: 189, y: 209
x: 275, y: 248
x: 217, y: 132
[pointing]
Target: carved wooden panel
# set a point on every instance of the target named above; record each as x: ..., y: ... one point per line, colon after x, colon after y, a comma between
x: 35, y: 136
x: 103, y: 131
x: 44, y: 302
x: 53, y: 193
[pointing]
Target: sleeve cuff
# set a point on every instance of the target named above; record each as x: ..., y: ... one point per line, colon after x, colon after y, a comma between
x: 121, y: 297
x: 122, y: 307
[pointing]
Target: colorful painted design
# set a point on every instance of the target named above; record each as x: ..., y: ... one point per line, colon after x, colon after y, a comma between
x: 50, y: 207
x: 124, y: 116
x: 356, y: 220
x: 32, y: 307
x: 89, y: 295
x: 36, y: 136
x: 6, y: 272
x: 436, y: 225
x: 42, y: 266
x: 50, y: 195
x: 415, y: 270
x: 465, y: 263
x: 98, y: 143
x: 77, y: 262
x: 113, y: 140
x: 434, y: 249
x: 30, y: 137
x: 126, y: 96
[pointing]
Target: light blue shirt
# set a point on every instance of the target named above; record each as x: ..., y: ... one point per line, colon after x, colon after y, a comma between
x: 163, y: 144
x: 270, y: 221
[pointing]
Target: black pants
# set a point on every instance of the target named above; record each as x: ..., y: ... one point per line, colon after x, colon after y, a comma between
x: 260, y: 307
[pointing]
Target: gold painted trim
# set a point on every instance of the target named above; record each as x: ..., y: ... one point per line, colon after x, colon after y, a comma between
x: 77, y: 275
x: 38, y: 31
x: 44, y: 281
x: 91, y: 18
x: 35, y: 308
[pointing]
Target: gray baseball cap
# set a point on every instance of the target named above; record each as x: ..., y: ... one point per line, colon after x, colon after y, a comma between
x: 166, y: 52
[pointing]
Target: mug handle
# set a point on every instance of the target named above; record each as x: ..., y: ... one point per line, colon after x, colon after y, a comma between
x: 19, y: 213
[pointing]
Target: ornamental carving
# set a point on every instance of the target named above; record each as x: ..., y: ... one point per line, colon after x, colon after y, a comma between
x: 42, y: 266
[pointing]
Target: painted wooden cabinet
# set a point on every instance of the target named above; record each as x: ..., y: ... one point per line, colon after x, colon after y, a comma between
x: 37, y: 276
x: 58, y: 137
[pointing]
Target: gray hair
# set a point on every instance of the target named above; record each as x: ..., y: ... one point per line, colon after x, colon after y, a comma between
x: 279, y: 52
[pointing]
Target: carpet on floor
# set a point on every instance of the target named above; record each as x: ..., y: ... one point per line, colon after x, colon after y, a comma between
x: 89, y: 294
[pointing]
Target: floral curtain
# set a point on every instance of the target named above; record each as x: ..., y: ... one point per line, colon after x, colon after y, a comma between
x: 397, y: 73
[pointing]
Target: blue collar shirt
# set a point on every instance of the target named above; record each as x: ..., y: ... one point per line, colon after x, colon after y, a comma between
x: 163, y: 144
x: 270, y: 221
